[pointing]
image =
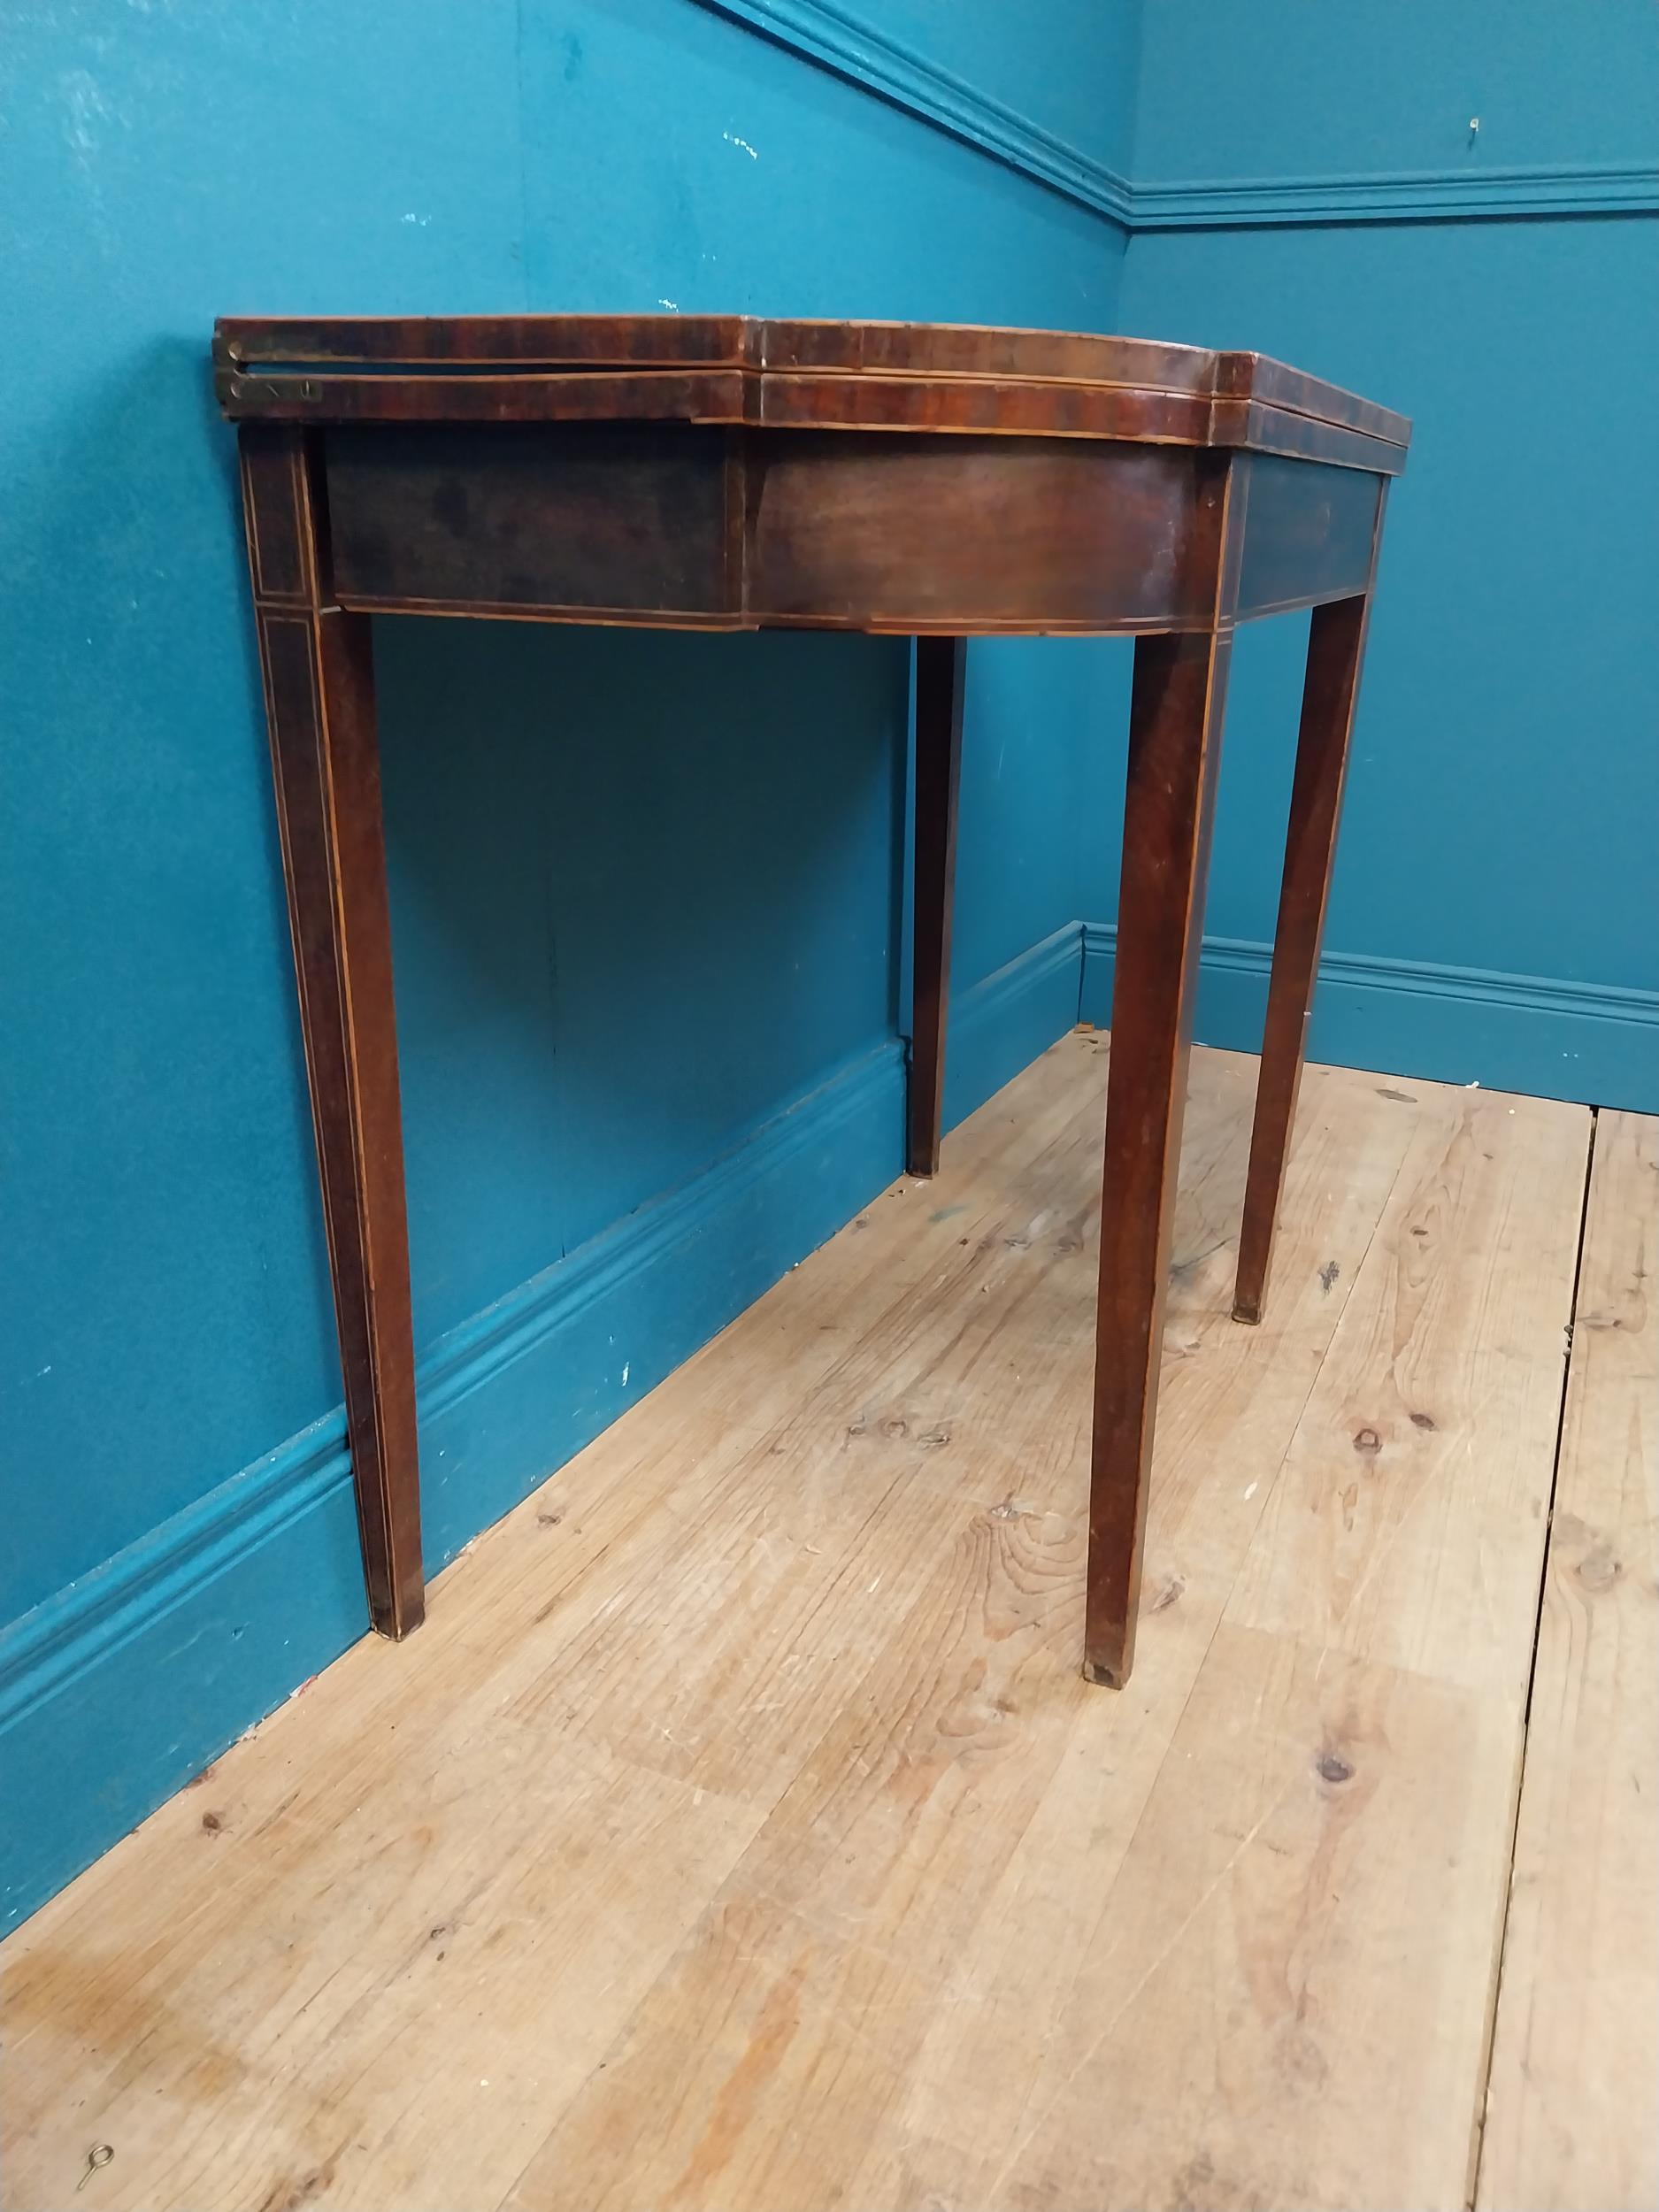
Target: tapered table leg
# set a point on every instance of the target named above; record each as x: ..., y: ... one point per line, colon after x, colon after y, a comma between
x: 1336, y: 647
x: 319, y: 704
x: 1174, y: 746
x: 1177, y: 706
x: 940, y: 666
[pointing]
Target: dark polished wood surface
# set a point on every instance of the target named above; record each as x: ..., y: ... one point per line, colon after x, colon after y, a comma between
x: 735, y: 473
x: 745, y: 369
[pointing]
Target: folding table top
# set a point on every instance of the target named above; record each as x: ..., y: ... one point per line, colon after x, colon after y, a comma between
x: 758, y: 371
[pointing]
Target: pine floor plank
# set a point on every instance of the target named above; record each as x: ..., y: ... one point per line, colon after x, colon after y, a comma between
x: 832, y: 1888
x: 488, y: 1673
x: 738, y: 1830
x: 1283, y: 2000
x: 1573, y: 2118
x: 367, y: 2004
x: 1356, y: 2080
x: 1409, y: 1525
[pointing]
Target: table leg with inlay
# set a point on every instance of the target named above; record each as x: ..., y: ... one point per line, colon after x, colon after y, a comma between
x: 317, y: 663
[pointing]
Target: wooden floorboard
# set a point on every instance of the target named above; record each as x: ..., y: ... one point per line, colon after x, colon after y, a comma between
x: 739, y: 1832
x: 1573, y: 2117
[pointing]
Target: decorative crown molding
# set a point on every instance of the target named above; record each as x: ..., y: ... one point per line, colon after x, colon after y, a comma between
x: 1423, y: 195
x: 838, y: 41
x: 834, y: 38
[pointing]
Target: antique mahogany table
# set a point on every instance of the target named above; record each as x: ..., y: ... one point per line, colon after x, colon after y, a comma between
x: 727, y: 472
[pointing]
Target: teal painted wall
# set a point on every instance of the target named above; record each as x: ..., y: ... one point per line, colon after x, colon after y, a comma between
x: 1298, y: 88
x: 647, y: 891
x: 1495, y: 916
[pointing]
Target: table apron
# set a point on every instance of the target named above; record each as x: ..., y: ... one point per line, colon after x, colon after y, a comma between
x: 717, y: 528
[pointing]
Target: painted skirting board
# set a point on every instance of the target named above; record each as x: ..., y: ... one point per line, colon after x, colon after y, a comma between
x: 1588, y: 1042
x: 856, y: 49
x: 132, y: 1678
x: 259, y: 1582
